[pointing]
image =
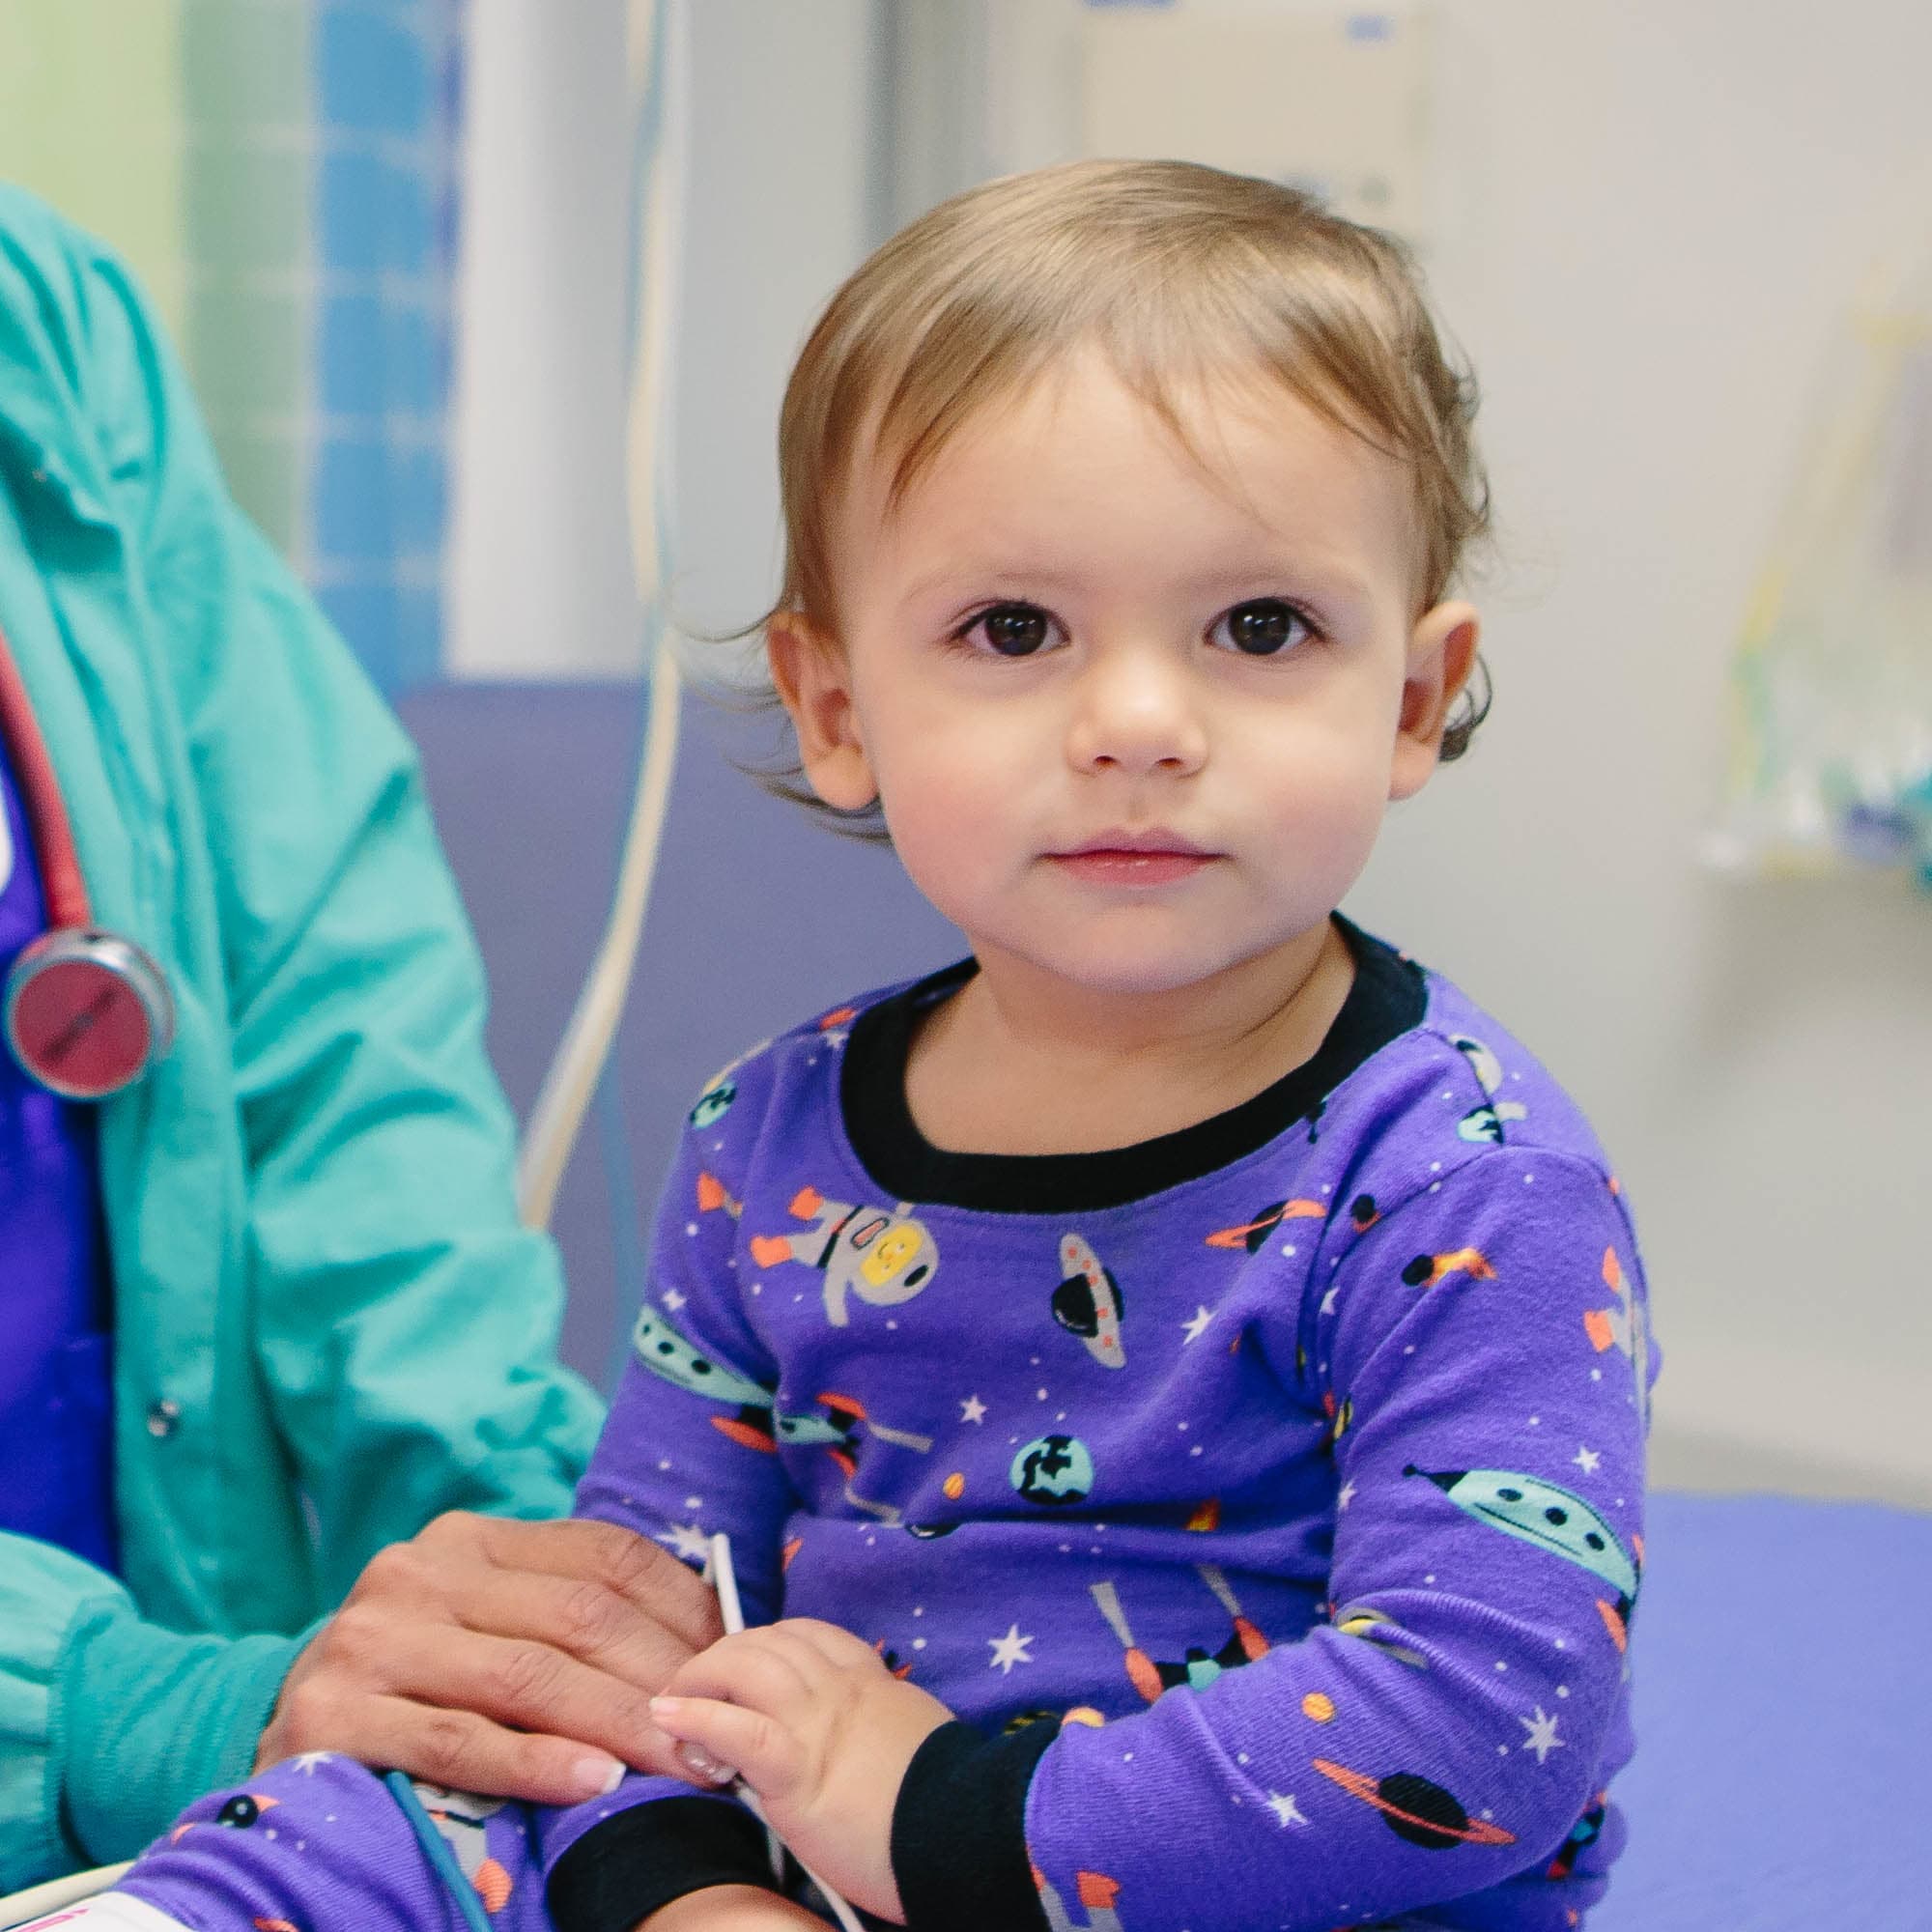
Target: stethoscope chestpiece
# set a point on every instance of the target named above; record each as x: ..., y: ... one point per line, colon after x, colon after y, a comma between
x: 88, y: 1012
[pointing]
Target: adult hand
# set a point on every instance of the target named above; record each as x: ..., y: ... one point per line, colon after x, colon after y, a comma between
x: 516, y: 1660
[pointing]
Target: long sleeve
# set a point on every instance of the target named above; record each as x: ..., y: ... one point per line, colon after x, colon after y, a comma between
x: 1480, y: 1347
x: 690, y: 1449
x: 108, y: 1723
x: 330, y: 1326
x: 405, y: 1322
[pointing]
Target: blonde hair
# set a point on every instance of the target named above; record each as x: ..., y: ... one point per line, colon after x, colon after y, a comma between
x: 1179, y: 274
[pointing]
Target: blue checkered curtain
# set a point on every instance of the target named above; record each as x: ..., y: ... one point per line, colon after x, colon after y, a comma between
x: 384, y: 195
x: 320, y: 195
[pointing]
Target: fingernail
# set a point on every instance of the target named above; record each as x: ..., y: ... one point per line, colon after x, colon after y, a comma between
x: 599, y: 1777
x: 701, y: 1763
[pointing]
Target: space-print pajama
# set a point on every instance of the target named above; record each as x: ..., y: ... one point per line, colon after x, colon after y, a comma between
x: 1264, y: 1500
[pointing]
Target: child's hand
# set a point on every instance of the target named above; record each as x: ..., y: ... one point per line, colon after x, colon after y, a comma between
x: 813, y: 1721
x: 732, y: 1908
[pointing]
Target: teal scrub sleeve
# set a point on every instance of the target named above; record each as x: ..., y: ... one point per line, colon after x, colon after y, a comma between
x: 109, y: 1725
x: 405, y: 1322
x: 398, y: 1324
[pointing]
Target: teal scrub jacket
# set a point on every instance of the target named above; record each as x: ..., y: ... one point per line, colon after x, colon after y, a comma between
x: 328, y: 1324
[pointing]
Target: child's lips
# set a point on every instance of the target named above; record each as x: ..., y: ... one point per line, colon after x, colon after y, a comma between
x: 1134, y: 860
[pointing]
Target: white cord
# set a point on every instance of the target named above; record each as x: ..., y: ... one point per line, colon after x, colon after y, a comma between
x: 23, y: 1908
x: 731, y: 1612
x: 565, y: 1095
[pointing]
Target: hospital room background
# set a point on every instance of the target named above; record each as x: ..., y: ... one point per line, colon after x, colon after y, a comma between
x: 401, y: 245
x: 490, y: 303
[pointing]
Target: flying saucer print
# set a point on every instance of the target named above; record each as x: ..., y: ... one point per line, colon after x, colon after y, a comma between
x: 1416, y: 1809
x: 1089, y: 1302
x: 1543, y: 1513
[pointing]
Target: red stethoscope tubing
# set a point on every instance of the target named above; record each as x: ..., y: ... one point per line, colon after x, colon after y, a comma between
x: 62, y: 882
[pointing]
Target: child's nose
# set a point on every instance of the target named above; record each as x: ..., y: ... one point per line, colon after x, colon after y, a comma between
x: 1134, y: 714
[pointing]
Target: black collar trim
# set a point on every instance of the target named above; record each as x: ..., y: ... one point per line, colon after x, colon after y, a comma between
x: 1387, y: 1000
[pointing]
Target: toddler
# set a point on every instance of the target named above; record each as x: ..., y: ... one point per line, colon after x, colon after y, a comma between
x: 1174, y: 1381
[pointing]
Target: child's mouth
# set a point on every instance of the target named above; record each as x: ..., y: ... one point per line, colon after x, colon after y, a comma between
x: 1129, y: 860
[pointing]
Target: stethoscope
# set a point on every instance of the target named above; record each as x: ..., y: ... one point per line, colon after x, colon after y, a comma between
x: 87, y: 1012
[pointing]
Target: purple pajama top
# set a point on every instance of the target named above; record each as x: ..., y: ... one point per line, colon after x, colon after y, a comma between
x: 1264, y: 1500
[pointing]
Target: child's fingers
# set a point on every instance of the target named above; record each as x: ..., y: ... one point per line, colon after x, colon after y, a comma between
x: 765, y: 1755
x: 837, y: 1647
x: 762, y: 1669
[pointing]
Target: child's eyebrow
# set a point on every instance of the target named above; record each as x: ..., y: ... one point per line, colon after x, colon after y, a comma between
x: 1264, y: 575
x: 988, y: 575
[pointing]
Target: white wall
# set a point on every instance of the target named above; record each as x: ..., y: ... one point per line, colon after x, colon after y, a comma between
x: 782, y: 174
x: 540, y: 557
x: 1665, y: 210
x: 1649, y: 216
x: 1648, y: 220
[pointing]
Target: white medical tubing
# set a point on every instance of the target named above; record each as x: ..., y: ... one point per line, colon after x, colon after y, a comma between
x: 658, y: 64
x: 724, y: 1581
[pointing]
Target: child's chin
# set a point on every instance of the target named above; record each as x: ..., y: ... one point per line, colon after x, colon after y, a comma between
x: 1145, y: 971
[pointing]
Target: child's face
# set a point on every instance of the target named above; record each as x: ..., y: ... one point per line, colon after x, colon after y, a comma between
x: 1132, y: 721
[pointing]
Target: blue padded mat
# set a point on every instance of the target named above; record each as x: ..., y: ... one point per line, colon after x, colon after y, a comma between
x: 1783, y: 1707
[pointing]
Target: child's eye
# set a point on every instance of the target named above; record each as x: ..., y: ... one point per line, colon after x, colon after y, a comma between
x: 1264, y: 628
x: 1010, y: 629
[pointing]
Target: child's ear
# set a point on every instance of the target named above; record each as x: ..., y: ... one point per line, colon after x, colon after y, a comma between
x: 1441, y: 655
x: 815, y: 685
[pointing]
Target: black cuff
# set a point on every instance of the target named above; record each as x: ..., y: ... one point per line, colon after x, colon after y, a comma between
x: 959, y: 1854
x: 636, y: 1861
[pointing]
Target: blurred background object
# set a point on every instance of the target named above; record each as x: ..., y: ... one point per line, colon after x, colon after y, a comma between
x: 1832, y: 762
x: 1644, y: 223
x: 283, y: 176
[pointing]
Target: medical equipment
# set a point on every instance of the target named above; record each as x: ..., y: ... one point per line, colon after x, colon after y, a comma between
x: 463, y: 1894
x: 88, y: 1011
x: 658, y: 53
x: 1832, y: 685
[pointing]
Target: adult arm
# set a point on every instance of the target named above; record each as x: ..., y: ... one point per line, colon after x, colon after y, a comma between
x: 108, y: 1723
x: 406, y: 1320
x: 403, y: 1323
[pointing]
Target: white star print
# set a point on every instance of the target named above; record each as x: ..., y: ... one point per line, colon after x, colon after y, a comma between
x: 1009, y: 1650
x: 1285, y: 1811
x: 1541, y: 1738
x: 1192, y: 1330
x: 673, y: 1299
x: 688, y: 1542
x: 305, y: 1762
x: 972, y: 1410
x: 1588, y: 1460
x: 1346, y: 1497
x: 1329, y: 1302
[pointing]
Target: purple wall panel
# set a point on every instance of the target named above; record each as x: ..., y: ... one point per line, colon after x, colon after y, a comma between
x: 760, y: 918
